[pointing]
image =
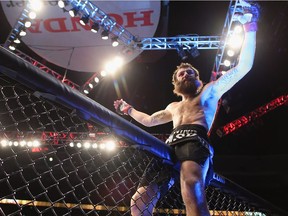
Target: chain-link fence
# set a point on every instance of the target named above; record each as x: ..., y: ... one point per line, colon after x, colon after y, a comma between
x: 55, y: 161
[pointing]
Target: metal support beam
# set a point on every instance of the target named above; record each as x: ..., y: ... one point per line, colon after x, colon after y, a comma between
x: 188, y: 42
x: 235, y: 5
x: 86, y: 8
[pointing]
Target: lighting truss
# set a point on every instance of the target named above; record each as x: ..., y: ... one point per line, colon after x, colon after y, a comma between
x: 187, y: 42
x: 233, y: 7
x: 86, y: 8
x: 252, y: 116
x: 19, y: 25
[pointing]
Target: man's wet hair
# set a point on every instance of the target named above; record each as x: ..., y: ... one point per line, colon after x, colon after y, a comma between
x: 183, y: 65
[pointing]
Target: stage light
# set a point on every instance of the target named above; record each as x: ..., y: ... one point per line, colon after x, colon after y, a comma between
x: 115, y: 41
x: 90, y: 85
x: 36, y: 4
x: 238, y: 29
x: 27, y: 23
x: 84, y: 20
x: 230, y: 53
x: 29, y: 143
x: 105, y: 35
x: 102, y: 146
x: 194, y: 52
x: 22, y: 32
x: 62, y: 3
x: 113, y: 65
x: 110, y: 145
x: 235, y: 41
x: 103, y: 73
x: 17, y: 41
x: 4, y: 143
x: 87, y: 145
x: 36, y: 143
x: 74, y: 11
x: 118, y: 62
x: 22, y: 143
x: 32, y: 15
x: 227, y: 63
x: 96, y: 79
x: 181, y: 52
x: 86, y: 91
x: 12, y: 47
x: 95, y: 27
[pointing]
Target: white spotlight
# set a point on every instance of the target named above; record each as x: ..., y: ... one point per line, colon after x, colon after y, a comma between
x: 17, y: 41
x: 236, y: 41
x: 103, y: 73
x: 32, y: 15
x: 22, y: 33
x: 238, y: 29
x: 110, y: 145
x: 118, y: 61
x: 102, y: 146
x: 96, y: 79
x: 36, y: 4
x: 87, y: 145
x: 22, y: 143
x: 28, y: 23
x: 61, y: 4
x: 227, y: 63
x: 4, y: 143
x: 230, y: 53
x: 36, y: 143
x: 90, y: 85
x: 12, y: 47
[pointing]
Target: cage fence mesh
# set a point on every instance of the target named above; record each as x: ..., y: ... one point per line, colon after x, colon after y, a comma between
x: 54, y: 163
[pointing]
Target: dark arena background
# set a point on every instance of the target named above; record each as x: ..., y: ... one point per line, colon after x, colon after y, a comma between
x: 65, y: 151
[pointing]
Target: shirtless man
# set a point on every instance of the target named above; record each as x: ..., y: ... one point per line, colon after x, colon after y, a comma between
x: 192, y: 118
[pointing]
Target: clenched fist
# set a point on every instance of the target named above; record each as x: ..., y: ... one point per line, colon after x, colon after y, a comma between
x: 122, y: 107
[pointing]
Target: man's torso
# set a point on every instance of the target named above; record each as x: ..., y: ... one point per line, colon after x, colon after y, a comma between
x: 199, y: 110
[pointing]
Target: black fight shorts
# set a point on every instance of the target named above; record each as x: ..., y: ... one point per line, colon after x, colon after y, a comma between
x: 190, y: 143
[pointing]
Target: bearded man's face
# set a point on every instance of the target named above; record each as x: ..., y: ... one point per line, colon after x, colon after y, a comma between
x: 186, y: 82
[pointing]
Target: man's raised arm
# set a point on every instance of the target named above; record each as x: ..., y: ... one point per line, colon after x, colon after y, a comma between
x: 246, y: 57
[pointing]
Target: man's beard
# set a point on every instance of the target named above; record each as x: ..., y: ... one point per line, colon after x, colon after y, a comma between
x: 185, y: 88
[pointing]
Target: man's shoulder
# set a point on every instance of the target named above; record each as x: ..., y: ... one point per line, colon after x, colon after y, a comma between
x: 172, y: 104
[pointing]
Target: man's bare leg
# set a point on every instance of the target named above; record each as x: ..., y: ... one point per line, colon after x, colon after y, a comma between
x: 192, y: 177
x: 144, y: 200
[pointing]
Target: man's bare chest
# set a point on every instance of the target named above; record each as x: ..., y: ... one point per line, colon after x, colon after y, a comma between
x: 190, y: 106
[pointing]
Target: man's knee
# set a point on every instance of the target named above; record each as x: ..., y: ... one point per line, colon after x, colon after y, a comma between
x: 145, y: 194
x: 144, y: 200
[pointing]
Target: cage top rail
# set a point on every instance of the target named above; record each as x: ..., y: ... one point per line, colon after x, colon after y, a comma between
x: 50, y: 88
